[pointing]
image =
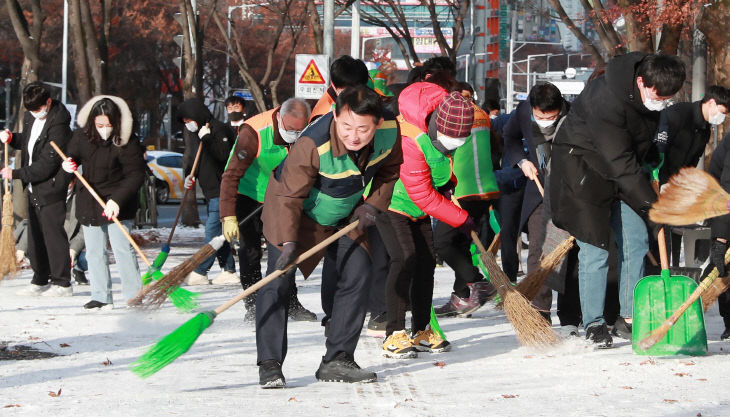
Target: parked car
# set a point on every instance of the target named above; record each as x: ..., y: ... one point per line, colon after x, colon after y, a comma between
x: 167, y: 169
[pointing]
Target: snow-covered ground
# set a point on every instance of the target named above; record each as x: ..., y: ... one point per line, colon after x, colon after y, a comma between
x: 487, y: 372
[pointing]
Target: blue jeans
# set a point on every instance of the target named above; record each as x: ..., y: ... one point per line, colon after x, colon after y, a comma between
x: 633, y: 243
x: 96, y: 256
x: 213, y: 228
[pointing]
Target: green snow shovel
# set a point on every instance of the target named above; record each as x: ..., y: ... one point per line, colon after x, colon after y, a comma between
x: 656, y: 297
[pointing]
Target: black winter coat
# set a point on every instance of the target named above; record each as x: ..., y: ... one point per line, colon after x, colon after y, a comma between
x: 216, y: 146
x: 598, y: 152
x: 521, y: 136
x: 49, y: 181
x: 686, y: 132
x: 720, y: 169
x: 115, y: 172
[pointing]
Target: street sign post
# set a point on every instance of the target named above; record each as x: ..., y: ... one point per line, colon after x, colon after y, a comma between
x: 311, y: 76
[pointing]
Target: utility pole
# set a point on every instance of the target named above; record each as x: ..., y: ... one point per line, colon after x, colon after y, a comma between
x: 355, y: 33
x: 480, y: 46
x: 329, y: 29
x: 510, y: 103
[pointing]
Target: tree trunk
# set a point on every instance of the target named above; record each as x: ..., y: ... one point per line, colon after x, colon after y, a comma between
x: 715, y: 24
x: 83, y: 79
x: 317, y: 30
x: 669, y: 42
x: 92, y: 49
x: 29, y: 37
x: 638, y: 30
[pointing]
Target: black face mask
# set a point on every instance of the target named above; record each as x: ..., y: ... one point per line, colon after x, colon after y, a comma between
x: 235, y: 116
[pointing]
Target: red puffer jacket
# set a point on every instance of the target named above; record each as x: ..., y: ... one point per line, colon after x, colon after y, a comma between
x: 416, y: 102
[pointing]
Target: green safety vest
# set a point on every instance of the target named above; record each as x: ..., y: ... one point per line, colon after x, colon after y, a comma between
x: 340, y: 185
x: 473, y: 162
x: 439, y: 164
x: 254, y: 182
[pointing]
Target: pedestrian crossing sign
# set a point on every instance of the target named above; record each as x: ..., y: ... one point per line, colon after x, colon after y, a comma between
x: 311, y: 74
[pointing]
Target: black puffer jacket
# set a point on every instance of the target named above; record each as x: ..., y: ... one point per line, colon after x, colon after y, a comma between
x: 598, y: 153
x: 720, y: 169
x: 216, y: 146
x: 687, y: 133
x: 115, y: 168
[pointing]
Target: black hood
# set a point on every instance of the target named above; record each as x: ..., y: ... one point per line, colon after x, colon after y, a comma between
x: 193, y: 108
x: 621, y: 78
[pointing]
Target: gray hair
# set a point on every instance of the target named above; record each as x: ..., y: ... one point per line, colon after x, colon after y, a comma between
x: 296, y: 107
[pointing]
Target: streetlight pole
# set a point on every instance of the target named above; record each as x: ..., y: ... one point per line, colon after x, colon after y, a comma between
x: 329, y: 29
x: 355, y: 31
x: 64, y: 59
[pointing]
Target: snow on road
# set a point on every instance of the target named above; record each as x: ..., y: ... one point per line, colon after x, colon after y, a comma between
x: 487, y: 372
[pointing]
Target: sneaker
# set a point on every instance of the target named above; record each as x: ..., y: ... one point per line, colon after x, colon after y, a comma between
x: 58, y: 291
x: 270, y: 375
x: 93, y: 304
x: 482, y: 291
x: 430, y: 341
x: 33, y: 290
x: 398, y: 346
x: 457, y: 305
x: 80, y: 277
x: 726, y: 334
x: 343, y: 368
x: 298, y: 312
x: 599, y: 335
x: 569, y: 331
x: 376, y: 325
x: 621, y: 329
x: 195, y: 278
x: 225, y: 278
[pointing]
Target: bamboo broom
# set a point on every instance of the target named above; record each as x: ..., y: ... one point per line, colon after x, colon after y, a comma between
x: 531, y: 284
x: 8, y: 262
x: 531, y: 328
x: 691, y: 195
x: 180, y: 340
x: 182, y: 298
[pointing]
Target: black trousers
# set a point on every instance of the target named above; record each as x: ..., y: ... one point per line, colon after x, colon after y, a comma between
x: 569, y: 312
x: 510, y: 208
x: 453, y: 247
x: 410, y: 272
x: 48, y: 244
x: 345, y: 288
x: 250, y: 253
x: 379, y: 272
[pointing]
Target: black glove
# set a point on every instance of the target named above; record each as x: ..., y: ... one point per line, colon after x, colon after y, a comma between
x: 447, y: 190
x: 288, y: 256
x: 717, y: 256
x: 468, y: 226
x: 366, y: 214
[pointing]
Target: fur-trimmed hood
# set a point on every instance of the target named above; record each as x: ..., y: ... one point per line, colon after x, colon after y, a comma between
x: 125, y: 130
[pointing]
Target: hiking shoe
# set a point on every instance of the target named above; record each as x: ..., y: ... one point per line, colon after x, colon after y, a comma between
x: 482, y: 291
x: 80, y: 277
x: 376, y: 325
x: 430, y: 341
x: 33, y: 290
x: 225, y: 278
x: 93, y: 304
x: 457, y: 305
x: 621, y: 329
x: 298, y: 312
x: 58, y: 291
x: 343, y: 368
x: 270, y: 375
x: 725, y: 335
x: 599, y: 335
x: 398, y: 346
x: 195, y: 278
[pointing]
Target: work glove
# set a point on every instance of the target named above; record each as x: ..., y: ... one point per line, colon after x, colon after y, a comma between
x: 203, y: 131
x: 717, y: 256
x: 447, y: 190
x: 288, y: 256
x: 112, y: 209
x: 6, y: 136
x: 366, y: 214
x: 189, y: 182
x: 230, y: 228
x: 69, y: 165
x: 468, y: 226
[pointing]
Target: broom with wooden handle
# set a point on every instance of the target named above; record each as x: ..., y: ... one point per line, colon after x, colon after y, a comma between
x: 8, y: 262
x: 179, y: 341
x: 184, y: 299
x: 690, y: 196
x: 531, y: 328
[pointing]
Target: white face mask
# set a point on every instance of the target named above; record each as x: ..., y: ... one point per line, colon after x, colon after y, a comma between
x: 40, y: 114
x: 191, y: 126
x: 655, y: 105
x: 289, y: 136
x: 717, y: 118
x: 492, y: 116
x: 545, y: 123
x: 450, y: 143
x: 105, y: 132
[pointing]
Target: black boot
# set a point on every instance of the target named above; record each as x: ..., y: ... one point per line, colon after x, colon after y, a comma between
x: 80, y: 277
x: 270, y: 375
x: 621, y: 328
x: 343, y: 369
x: 599, y: 335
x: 297, y: 311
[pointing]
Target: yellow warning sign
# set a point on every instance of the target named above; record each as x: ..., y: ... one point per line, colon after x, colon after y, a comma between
x: 311, y: 74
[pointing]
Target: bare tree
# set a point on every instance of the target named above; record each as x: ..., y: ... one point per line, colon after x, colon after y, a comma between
x: 390, y: 15
x: 457, y: 9
x: 89, y: 52
x: 29, y: 35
